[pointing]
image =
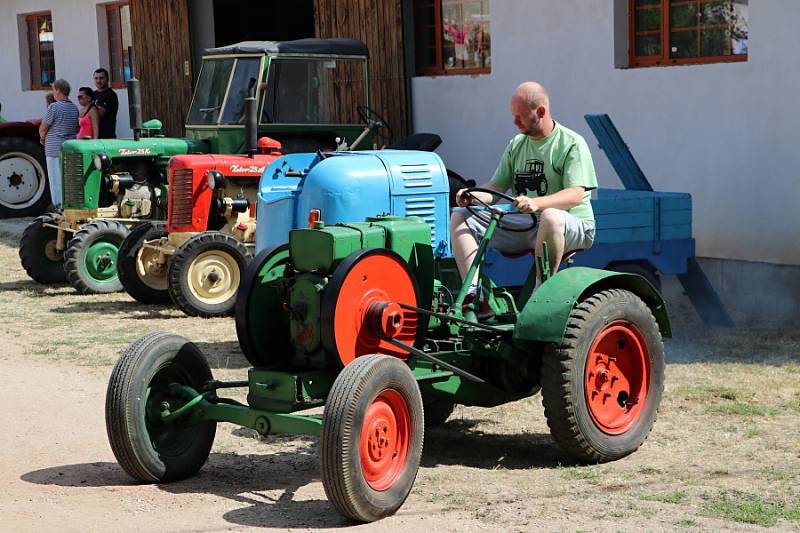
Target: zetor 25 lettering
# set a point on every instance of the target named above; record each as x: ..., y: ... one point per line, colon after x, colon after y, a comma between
x: 137, y: 151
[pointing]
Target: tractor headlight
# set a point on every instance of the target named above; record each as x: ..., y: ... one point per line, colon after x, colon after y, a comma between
x: 215, y: 180
x: 101, y: 161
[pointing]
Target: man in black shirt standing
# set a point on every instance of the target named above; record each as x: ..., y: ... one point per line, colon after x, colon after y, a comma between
x: 107, y: 104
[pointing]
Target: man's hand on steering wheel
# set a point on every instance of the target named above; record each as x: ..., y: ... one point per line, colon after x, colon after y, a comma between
x: 525, y: 204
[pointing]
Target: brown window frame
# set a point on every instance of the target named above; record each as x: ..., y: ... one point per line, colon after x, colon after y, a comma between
x: 37, y: 85
x: 116, y: 6
x: 664, y: 59
x: 439, y: 69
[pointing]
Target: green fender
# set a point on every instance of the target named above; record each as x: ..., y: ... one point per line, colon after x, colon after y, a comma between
x: 545, y: 315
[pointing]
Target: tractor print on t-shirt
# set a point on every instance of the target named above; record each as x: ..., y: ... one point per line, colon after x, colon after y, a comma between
x: 531, y: 179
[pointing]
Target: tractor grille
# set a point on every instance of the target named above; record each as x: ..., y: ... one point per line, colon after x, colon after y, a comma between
x: 180, y: 201
x: 72, y: 179
x: 425, y: 208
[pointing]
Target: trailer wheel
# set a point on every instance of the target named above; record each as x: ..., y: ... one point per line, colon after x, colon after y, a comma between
x: 90, y: 260
x: 205, y: 272
x: 147, y: 448
x: 141, y: 275
x: 602, y: 387
x: 37, y: 251
x: 371, y: 440
x: 262, y: 326
x: 24, y: 190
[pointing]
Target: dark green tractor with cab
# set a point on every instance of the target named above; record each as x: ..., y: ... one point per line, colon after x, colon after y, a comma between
x: 307, y: 92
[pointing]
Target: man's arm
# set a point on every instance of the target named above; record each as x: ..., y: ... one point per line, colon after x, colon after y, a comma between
x: 485, y: 197
x: 564, y: 199
x: 43, y: 131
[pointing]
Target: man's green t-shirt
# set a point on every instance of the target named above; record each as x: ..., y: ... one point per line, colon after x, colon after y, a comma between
x: 557, y: 162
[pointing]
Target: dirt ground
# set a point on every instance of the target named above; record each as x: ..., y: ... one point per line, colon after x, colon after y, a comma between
x: 724, y: 453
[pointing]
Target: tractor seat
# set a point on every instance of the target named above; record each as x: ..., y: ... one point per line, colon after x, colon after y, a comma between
x: 516, y: 255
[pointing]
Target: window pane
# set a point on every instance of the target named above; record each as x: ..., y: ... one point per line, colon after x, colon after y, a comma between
x: 714, y: 42
x: 640, y: 3
x: 648, y: 19
x: 739, y: 26
x: 716, y: 12
x: 114, y: 52
x: 46, y: 53
x: 426, y: 57
x: 683, y: 16
x: 33, y: 52
x: 648, y: 45
x: 465, y: 28
x: 683, y: 44
x: 424, y: 15
x: 210, y: 91
x: 314, y: 91
x: 127, y: 39
x: 247, y: 71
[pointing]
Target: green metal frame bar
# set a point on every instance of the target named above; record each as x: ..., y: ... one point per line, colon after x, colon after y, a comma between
x: 476, y: 262
x: 201, y: 408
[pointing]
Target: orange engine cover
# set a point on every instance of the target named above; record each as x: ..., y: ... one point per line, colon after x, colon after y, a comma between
x: 189, y: 194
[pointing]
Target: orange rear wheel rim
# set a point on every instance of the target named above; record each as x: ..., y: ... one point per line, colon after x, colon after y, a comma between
x: 617, y: 377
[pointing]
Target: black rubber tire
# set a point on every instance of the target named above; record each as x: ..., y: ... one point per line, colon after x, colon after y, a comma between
x: 354, y: 390
x: 37, y: 251
x: 563, y: 384
x: 635, y: 267
x: 109, y: 233
x: 262, y: 326
x: 143, y: 371
x: 33, y: 153
x: 127, y: 264
x: 183, y: 263
x: 437, y: 411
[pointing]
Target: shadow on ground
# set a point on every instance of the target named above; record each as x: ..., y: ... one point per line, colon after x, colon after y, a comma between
x: 266, y: 484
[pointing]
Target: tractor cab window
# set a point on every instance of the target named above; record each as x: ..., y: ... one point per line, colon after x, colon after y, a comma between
x: 245, y: 75
x: 210, y: 92
x: 314, y: 91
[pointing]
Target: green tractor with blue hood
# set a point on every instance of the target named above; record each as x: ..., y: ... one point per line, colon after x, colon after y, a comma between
x: 307, y: 92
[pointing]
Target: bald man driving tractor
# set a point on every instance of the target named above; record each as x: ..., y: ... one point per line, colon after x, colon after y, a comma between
x: 550, y: 171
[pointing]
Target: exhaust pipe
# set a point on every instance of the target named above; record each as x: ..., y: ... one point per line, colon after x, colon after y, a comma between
x: 134, y: 100
x: 251, y: 120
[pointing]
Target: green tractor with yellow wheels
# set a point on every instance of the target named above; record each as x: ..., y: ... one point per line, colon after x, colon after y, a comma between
x: 360, y: 318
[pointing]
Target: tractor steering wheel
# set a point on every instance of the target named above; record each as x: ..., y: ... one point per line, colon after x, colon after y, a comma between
x: 376, y: 123
x: 499, y: 212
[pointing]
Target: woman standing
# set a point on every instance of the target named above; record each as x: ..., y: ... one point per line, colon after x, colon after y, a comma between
x: 89, y: 120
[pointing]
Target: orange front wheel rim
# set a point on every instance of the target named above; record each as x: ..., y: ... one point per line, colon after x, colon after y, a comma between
x: 385, y: 438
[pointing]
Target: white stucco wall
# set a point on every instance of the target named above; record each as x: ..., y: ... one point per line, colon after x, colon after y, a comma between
x: 77, y: 54
x: 726, y: 133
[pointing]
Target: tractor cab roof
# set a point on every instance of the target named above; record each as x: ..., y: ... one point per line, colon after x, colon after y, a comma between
x: 336, y: 47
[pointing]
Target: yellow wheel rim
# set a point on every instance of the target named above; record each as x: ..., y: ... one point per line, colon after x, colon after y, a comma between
x: 214, y: 277
x: 152, y: 274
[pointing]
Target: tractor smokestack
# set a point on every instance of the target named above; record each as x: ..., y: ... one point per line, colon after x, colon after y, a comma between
x: 251, y: 120
x: 134, y: 100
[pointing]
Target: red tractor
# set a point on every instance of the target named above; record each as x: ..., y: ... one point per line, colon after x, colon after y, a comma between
x: 197, y: 257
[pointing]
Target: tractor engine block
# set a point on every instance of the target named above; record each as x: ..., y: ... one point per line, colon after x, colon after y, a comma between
x: 137, y: 201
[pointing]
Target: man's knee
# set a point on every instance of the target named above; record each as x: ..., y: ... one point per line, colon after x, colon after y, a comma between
x: 552, y: 220
x: 456, y: 220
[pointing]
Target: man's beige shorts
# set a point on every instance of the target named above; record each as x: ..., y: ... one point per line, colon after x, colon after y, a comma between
x: 578, y: 233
